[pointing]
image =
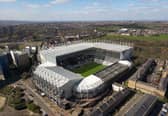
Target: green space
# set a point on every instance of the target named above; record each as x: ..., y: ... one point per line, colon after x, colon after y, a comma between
x: 154, y: 46
x: 6, y: 91
x: 15, y: 99
x: 116, y: 27
x: 89, y: 69
x: 33, y: 107
x: 122, y: 37
x: 14, y: 96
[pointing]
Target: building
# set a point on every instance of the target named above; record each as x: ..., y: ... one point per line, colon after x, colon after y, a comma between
x: 124, y: 31
x: 97, y: 83
x: 102, y: 50
x: 1, y: 74
x: 155, y: 83
x: 54, y: 75
x: 57, y: 80
x: 143, y: 107
x: 110, y: 104
x: 4, y: 62
x: 20, y: 60
x: 164, y: 110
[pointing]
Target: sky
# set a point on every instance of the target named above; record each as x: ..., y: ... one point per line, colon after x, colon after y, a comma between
x: 83, y: 10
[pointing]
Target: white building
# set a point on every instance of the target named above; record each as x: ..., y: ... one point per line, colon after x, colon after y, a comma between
x: 57, y: 82
x: 50, y: 55
x: 60, y: 80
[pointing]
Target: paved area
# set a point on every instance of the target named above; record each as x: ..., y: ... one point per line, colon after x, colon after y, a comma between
x: 9, y: 111
x: 2, y: 101
x: 38, y: 99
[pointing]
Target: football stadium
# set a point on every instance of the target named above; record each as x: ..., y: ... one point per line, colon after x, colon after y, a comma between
x: 82, y: 70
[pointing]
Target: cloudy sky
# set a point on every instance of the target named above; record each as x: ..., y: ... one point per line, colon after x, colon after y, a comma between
x: 85, y: 10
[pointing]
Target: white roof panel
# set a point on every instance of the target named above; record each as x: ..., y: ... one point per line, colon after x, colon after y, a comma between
x: 56, y: 75
x: 67, y: 49
x: 89, y: 83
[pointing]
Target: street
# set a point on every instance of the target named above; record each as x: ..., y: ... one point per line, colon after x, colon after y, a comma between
x: 37, y: 98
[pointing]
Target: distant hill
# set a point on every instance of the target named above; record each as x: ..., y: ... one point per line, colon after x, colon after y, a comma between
x: 8, y: 22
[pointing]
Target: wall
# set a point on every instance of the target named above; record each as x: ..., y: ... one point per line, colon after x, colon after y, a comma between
x: 126, y: 55
x: 145, y: 87
x: 1, y: 74
x: 4, y: 62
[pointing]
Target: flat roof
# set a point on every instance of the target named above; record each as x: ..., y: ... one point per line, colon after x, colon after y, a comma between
x: 111, y: 72
x: 72, y: 48
x: 143, y: 106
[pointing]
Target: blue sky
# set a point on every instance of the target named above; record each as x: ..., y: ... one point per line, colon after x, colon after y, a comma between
x: 84, y: 10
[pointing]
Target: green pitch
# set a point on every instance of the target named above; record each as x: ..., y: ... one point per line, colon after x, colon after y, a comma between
x: 89, y: 69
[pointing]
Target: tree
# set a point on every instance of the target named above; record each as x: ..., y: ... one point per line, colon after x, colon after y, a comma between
x: 33, y: 107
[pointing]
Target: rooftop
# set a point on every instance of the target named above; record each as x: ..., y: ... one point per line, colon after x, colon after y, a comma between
x: 58, y: 76
x: 72, y: 48
x: 66, y: 73
x: 143, y: 106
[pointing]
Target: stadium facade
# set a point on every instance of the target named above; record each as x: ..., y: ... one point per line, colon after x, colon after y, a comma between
x: 54, y: 75
x: 103, y: 51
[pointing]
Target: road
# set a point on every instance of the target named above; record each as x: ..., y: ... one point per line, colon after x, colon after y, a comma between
x: 37, y: 98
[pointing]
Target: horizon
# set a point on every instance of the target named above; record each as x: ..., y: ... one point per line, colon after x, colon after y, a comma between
x: 7, y: 20
x: 75, y: 10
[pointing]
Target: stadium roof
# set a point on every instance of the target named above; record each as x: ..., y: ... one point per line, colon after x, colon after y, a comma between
x: 56, y: 75
x: 89, y: 83
x: 47, y: 64
x: 66, y: 73
x: 111, y: 72
x: 72, y: 48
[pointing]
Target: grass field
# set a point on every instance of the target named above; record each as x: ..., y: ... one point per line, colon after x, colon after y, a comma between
x: 146, y: 38
x: 89, y: 69
x: 144, y: 46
